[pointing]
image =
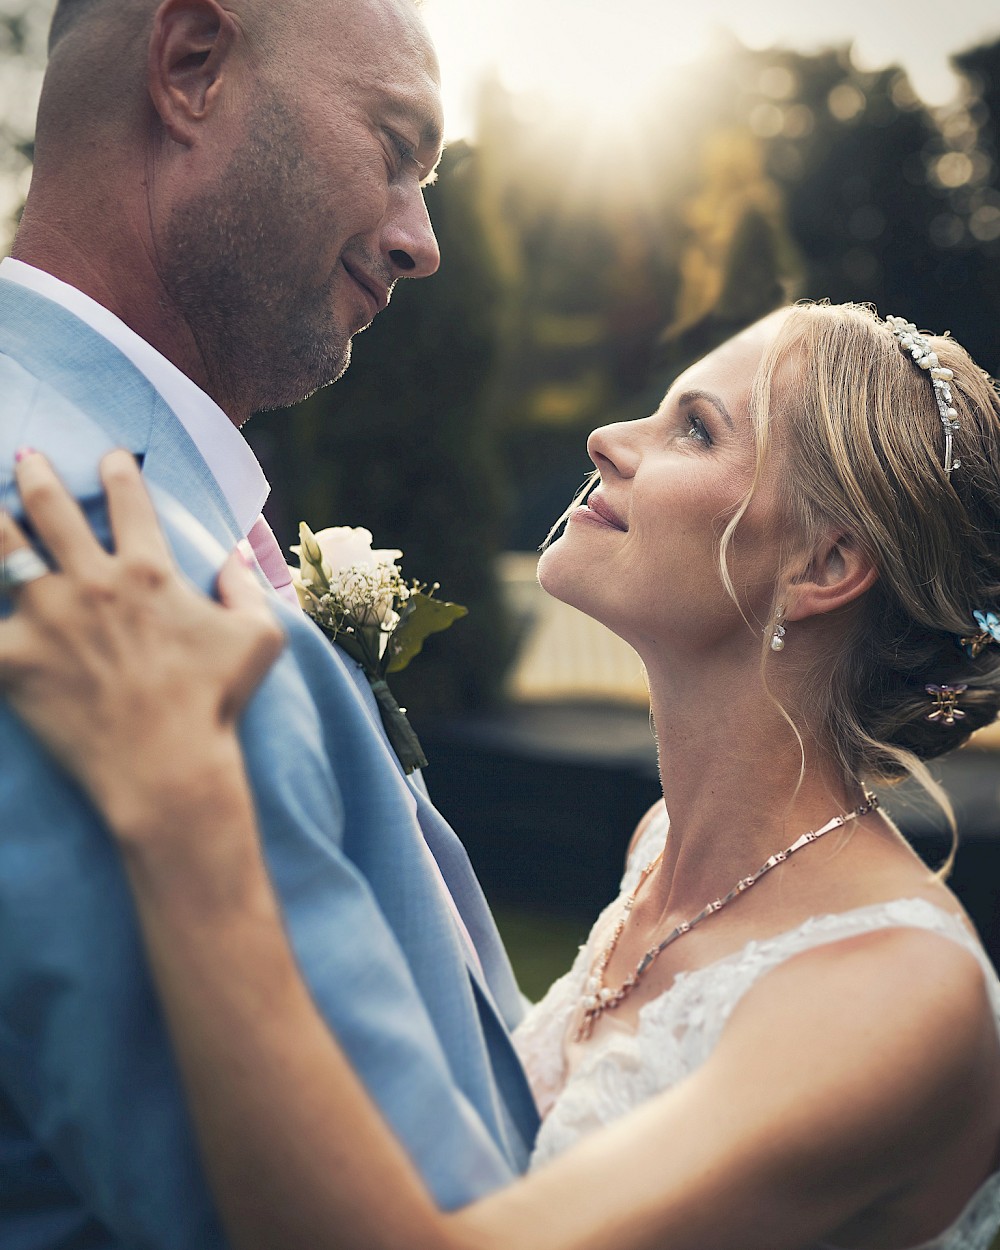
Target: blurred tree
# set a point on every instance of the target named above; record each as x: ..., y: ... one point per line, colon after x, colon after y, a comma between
x: 888, y: 202
x: 853, y: 181
x: 403, y: 446
x: 23, y: 28
x: 568, y: 249
x: 737, y: 242
x: 968, y: 170
x: 738, y: 262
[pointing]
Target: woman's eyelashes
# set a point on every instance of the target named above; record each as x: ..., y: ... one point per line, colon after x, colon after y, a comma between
x: 696, y: 429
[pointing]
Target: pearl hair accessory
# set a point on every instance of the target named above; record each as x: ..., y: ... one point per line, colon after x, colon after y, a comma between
x: 918, y: 345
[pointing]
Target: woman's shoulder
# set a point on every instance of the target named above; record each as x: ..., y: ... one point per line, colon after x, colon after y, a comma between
x: 924, y: 951
x: 914, y: 993
x: 888, y: 1034
x: 911, y: 953
x: 829, y: 961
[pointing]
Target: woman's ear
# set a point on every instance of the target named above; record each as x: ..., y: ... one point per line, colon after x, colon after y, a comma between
x: 188, y: 50
x: 839, y: 572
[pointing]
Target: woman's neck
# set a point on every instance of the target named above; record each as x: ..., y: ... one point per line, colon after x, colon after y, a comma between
x: 733, y: 777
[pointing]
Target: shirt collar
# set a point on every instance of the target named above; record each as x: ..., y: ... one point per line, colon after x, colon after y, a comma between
x: 222, y: 447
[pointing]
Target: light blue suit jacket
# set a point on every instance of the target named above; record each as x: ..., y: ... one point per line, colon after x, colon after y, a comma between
x: 96, y: 1149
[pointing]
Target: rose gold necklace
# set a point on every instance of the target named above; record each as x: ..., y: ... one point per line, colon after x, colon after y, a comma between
x: 599, y: 998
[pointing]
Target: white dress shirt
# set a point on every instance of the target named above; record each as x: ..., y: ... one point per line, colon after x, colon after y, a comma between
x: 222, y: 446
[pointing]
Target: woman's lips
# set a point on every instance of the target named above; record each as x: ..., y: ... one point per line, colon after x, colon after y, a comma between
x: 598, y: 506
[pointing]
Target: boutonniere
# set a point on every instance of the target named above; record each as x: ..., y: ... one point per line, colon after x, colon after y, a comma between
x: 359, y: 599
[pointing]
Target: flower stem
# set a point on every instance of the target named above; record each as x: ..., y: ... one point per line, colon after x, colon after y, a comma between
x: 398, y: 729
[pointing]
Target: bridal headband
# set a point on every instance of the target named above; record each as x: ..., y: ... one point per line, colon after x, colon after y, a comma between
x: 919, y: 347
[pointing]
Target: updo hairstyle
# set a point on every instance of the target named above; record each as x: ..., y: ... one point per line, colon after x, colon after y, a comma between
x: 862, y: 438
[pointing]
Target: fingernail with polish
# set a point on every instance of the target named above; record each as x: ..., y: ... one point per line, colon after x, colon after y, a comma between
x: 22, y: 453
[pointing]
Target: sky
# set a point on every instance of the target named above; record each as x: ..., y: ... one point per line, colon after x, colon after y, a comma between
x: 602, y: 56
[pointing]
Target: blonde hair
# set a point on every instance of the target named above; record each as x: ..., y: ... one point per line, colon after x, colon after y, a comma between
x: 862, y: 450
x: 862, y: 445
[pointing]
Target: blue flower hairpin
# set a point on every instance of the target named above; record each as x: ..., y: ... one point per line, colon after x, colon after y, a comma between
x: 989, y: 631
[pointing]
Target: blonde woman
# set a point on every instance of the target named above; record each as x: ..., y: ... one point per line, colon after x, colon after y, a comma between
x: 784, y: 1033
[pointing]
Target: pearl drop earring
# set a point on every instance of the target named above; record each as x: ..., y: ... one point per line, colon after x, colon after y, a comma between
x: 778, y: 633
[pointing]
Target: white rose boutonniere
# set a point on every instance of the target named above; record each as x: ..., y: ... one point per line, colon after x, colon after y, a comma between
x: 358, y: 597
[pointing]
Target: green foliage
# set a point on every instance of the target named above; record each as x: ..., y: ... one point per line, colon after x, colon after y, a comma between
x: 422, y: 616
x: 541, y: 947
x: 581, y: 272
x: 22, y: 55
x: 405, y: 445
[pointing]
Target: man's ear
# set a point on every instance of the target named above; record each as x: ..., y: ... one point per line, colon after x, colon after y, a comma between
x: 839, y: 572
x: 188, y: 52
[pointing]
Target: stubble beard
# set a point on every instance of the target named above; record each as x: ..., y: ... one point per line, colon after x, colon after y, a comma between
x: 238, y: 268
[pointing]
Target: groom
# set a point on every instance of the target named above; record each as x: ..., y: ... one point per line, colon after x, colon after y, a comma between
x: 222, y: 197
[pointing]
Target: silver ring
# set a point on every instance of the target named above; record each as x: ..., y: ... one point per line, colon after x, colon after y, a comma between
x: 18, y: 568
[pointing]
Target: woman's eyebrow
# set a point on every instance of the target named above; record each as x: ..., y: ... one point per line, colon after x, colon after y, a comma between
x: 689, y: 397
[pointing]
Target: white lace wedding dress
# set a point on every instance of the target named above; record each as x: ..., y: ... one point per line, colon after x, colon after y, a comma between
x: 677, y: 1031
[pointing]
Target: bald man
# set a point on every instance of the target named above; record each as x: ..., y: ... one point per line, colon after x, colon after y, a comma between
x: 222, y: 197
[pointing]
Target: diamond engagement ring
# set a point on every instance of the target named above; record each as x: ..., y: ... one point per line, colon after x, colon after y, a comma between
x: 19, y: 567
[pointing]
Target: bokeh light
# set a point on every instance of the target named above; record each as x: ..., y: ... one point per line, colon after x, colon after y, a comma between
x: 602, y: 59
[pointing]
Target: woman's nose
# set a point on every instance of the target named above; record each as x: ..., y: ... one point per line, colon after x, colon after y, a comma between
x: 614, y: 449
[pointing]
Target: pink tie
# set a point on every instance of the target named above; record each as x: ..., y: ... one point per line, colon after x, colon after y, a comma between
x: 272, y: 562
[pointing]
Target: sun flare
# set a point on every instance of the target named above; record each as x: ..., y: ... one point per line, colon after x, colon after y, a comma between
x: 588, y: 59
x: 601, y: 60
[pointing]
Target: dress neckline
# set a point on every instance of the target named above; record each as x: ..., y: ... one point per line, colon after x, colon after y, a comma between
x: 676, y: 1031
x: 830, y: 920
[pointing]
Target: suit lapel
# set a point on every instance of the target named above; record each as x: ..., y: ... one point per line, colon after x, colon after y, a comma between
x: 490, y: 969
x: 499, y: 1001
x: 81, y: 364
x: 453, y: 860
x: 72, y: 360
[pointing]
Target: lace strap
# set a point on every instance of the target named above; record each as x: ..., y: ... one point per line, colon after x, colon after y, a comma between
x: 712, y: 992
x: 646, y: 849
x: 905, y: 913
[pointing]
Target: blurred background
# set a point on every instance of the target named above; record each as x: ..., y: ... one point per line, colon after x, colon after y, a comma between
x: 625, y: 185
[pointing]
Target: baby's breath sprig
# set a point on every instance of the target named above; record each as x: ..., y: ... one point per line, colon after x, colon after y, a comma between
x: 359, y: 599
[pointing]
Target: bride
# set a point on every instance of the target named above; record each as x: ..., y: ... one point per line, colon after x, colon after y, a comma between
x: 784, y: 1033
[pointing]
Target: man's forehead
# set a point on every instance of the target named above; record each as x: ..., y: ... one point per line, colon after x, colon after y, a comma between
x: 382, y: 51
x: 350, y: 31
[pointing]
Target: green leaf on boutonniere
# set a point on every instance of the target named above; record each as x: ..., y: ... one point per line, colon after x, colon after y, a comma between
x: 357, y: 597
x: 422, y: 616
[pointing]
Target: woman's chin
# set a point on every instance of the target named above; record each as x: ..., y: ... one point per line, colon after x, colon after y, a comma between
x: 560, y: 576
x: 582, y: 586
x: 552, y: 573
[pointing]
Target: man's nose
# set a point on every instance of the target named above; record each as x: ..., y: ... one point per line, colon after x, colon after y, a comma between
x: 409, y: 239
